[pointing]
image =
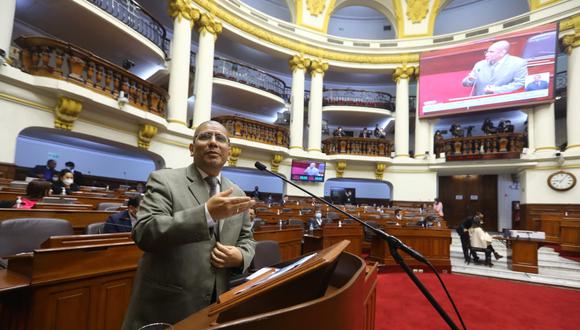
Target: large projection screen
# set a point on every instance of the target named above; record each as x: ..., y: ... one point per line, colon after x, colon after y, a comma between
x: 505, y: 71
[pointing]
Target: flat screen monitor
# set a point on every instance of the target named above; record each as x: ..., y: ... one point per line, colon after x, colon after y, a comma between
x: 307, y: 171
x: 505, y: 71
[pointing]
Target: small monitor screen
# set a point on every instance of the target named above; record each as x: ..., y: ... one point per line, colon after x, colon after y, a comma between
x: 308, y: 171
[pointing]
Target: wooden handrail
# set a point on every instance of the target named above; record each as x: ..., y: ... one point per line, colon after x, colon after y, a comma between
x: 357, y: 146
x: 57, y: 59
x: 254, y: 130
x: 486, y: 146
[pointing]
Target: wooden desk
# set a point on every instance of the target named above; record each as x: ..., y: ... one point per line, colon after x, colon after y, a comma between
x: 331, y: 234
x: 432, y: 243
x: 94, y: 201
x: 79, y: 219
x: 524, y: 255
x: 289, y: 238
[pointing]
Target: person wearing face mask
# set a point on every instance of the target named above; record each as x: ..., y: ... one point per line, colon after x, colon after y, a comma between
x: 65, y: 181
x: 78, y: 175
x: 124, y: 220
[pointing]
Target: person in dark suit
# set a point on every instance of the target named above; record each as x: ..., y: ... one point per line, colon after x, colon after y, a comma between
x: 256, y: 193
x: 462, y: 231
x: 125, y: 220
x: 65, y: 183
x: 194, y: 226
x: 46, y: 172
x: 537, y: 84
x: 78, y: 175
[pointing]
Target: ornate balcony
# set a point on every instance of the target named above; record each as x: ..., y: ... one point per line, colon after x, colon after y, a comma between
x: 60, y: 60
x: 256, y: 131
x: 497, y: 146
x: 357, y: 146
x: 136, y: 17
x: 250, y: 76
x: 358, y: 98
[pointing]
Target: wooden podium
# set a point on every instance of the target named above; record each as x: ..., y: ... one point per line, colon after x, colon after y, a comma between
x: 337, y: 291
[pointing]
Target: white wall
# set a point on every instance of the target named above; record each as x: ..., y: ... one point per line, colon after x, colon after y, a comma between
x: 507, y: 192
x: 535, y: 189
x: 31, y: 152
x: 248, y: 180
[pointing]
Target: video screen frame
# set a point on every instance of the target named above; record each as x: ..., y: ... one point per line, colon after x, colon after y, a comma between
x: 304, y: 171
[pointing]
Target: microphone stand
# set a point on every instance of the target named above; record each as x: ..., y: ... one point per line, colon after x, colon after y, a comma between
x: 394, y: 245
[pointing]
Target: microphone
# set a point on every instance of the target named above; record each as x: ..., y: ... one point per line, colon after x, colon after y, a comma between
x: 394, y: 244
x: 392, y: 240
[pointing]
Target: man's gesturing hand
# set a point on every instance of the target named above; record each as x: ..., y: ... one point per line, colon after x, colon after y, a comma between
x: 226, y: 256
x: 221, y: 206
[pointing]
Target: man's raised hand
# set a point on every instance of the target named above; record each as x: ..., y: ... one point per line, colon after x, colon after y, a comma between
x: 221, y: 206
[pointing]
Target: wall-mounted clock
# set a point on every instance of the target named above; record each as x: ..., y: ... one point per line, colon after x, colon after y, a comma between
x: 562, y: 181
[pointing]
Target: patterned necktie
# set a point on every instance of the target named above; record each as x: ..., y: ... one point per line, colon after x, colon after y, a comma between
x: 212, y: 181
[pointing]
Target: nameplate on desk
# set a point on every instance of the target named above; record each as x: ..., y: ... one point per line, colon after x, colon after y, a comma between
x: 527, y: 234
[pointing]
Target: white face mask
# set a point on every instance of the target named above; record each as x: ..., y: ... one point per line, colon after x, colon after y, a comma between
x: 68, y: 182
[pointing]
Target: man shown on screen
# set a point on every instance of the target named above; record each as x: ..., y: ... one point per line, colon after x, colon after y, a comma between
x: 312, y: 170
x: 537, y: 84
x: 500, y: 72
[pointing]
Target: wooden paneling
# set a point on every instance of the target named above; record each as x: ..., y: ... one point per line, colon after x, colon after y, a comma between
x: 570, y: 235
x: 113, y: 294
x: 530, y: 213
x: 550, y: 224
x: 466, y: 186
x: 333, y: 234
x: 289, y: 239
x: 7, y: 170
x: 524, y: 256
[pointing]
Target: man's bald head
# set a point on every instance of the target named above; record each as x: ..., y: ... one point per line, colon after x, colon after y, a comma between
x: 497, y: 51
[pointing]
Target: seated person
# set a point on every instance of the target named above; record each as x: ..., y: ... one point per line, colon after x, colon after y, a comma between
x: 456, y: 130
x: 379, y: 132
x: 35, y: 191
x: 365, y: 133
x: 65, y: 182
x: 426, y: 221
x: 487, y: 127
x: 125, y: 220
x: 481, y: 240
x: 46, y: 172
x: 338, y: 132
x: 398, y: 214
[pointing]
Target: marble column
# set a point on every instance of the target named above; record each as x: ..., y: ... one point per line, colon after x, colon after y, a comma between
x: 544, y: 129
x: 184, y: 17
x: 7, y: 10
x: 401, y: 76
x: 317, y: 70
x: 298, y: 65
x: 422, y: 132
x: 571, y: 42
x: 208, y: 29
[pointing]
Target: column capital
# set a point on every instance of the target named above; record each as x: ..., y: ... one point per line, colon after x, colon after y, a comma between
x: 182, y: 9
x: 208, y: 24
x: 571, y: 41
x: 318, y: 66
x: 298, y: 62
x: 404, y: 72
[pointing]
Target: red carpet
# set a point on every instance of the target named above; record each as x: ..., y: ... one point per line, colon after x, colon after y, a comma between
x: 484, y: 303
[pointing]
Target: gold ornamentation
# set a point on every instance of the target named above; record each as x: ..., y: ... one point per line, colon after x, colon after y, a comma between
x: 276, y: 160
x: 401, y: 19
x: 403, y: 72
x: 234, y: 156
x: 272, y: 38
x: 315, y: 7
x: 379, y: 171
x: 146, y: 133
x: 66, y: 112
x: 571, y: 41
x: 183, y: 9
x: 537, y: 4
x: 207, y: 23
x: 299, y: 62
x: 318, y: 66
x: 340, y: 167
x: 417, y: 10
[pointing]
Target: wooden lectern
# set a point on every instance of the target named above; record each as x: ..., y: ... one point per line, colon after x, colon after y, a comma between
x: 332, y: 290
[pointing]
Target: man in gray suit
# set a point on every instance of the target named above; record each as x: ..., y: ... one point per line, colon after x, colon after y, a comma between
x: 498, y: 73
x: 194, y: 229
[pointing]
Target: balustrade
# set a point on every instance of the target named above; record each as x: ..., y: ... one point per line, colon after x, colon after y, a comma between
x: 136, y: 17
x: 357, y: 146
x: 360, y: 98
x: 60, y: 60
x: 253, y: 130
x: 501, y: 145
x: 247, y: 75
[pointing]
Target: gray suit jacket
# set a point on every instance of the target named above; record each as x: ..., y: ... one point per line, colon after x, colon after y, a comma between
x: 175, y: 277
x: 508, y: 76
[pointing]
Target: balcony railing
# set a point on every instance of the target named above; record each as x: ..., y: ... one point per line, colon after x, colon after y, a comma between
x: 357, y: 146
x: 497, y: 146
x: 359, y: 98
x: 252, y: 130
x: 247, y: 75
x: 136, y: 17
x: 60, y: 60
